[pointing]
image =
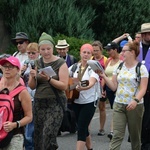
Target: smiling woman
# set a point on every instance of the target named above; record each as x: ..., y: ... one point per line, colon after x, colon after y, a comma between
x: 128, y: 98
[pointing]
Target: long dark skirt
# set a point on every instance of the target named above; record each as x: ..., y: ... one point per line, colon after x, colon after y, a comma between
x: 48, y: 115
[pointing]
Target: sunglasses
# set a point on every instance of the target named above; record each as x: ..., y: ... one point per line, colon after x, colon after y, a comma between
x: 33, y: 53
x: 20, y: 42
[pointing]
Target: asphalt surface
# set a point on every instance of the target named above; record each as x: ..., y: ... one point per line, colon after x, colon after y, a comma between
x: 67, y: 141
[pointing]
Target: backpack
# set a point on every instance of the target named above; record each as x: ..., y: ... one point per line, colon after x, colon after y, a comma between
x: 137, y: 70
x: 69, y: 121
x: 6, y: 113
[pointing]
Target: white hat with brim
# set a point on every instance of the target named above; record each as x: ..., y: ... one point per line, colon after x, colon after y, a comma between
x: 145, y: 28
x: 62, y: 44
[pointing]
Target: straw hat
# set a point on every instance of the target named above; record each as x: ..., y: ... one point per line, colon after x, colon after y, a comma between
x: 62, y: 44
x: 145, y: 28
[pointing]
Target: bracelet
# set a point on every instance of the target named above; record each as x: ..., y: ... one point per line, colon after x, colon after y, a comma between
x: 136, y: 100
x: 18, y: 124
x: 49, y: 79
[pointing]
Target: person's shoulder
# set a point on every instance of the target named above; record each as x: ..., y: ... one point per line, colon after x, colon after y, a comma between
x: 108, y: 60
x: 15, y: 53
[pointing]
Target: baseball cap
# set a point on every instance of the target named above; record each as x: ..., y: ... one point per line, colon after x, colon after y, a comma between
x: 13, y: 60
x: 123, y: 43
x: 111, y: 45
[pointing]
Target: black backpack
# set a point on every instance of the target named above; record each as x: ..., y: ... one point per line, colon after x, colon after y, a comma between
x: 137, y: 70
x: 69, y: 121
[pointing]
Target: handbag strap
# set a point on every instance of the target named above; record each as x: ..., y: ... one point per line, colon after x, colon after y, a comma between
x: 53, y: 88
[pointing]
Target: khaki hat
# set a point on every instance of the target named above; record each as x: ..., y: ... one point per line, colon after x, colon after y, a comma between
x: 62, y: 44
x: 145, y: 28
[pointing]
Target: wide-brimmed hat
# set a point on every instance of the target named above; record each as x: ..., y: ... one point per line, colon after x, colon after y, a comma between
x: 20, y: 36
x: 62, y: 44
x: 111, y: 45
x: 145, y: 27
x: 13, y: 60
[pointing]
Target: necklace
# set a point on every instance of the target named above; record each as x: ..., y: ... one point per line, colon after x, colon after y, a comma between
x: 9, y: 87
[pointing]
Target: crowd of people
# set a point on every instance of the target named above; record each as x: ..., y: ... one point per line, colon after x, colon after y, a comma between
x: 39, y: 107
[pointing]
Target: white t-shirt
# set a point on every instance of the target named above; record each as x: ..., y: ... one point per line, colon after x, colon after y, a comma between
x: 90, y: 95
x: 128, y: 87
x: 22, y: 57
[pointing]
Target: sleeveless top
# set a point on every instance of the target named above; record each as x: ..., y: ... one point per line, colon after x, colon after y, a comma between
x: 18, y: 113
x: 109, y: 69
x: 43, y: 88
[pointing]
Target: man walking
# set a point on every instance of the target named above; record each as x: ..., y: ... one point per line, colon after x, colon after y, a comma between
x: 144, y: 57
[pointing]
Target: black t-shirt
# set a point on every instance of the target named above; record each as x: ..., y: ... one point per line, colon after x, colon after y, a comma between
x: 145, y: 49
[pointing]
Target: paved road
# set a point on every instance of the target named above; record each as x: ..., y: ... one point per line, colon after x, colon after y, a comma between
x: 68, y: 141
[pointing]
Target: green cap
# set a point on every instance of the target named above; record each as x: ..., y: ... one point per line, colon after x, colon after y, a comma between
x: 45, y: 37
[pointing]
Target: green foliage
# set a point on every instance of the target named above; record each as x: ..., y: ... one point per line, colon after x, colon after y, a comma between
x: 76, y: 19
x: 118, y: 17
x: 37, y: 16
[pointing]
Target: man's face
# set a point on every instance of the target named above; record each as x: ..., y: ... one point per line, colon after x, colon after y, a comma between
x: 21, y: 45
x: 146, y: 38
x: 62, y: 51
x: 97, y: 52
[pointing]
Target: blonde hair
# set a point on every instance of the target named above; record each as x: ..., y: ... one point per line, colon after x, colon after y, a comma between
x: 33, y: 47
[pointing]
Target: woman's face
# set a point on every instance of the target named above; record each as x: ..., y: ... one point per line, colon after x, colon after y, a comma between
x: 32, y: 54
x: 111, y: 52
x: 85, y: 54
x: 46, y: 50
x: 126, y: 53
x: 9, y: 71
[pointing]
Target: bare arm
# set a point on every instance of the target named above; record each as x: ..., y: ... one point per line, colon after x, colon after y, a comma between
x: 62, y: 83
x: 120, y: 38
x: 32, y: 79
x: 25, y: 99
x: 143, y: 87
x: 112, y: 84
x: 27, y: 107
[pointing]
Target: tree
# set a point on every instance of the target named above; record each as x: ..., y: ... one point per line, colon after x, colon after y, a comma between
x: 117, y: 17
x: 37, y: 16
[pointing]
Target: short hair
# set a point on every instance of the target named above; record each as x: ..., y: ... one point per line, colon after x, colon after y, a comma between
x: 33, y: 46
x: 98, y: 43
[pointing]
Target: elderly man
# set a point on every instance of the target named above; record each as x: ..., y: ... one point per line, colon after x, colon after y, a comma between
x: 21, y: 41
x: 144, y: 57
x: 62, y: 48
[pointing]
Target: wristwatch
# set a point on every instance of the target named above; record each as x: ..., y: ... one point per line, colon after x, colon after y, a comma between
x: 136, y: 100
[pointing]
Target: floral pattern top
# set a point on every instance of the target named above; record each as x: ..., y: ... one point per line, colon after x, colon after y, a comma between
x: 128, y: 86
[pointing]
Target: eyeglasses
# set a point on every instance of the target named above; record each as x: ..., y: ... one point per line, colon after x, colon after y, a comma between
x: 96, y: 50
x: 20, y: 42
x: 33, y: 53
x: 123, y: 51
x: 137, y: 37
x: 8, y: 67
